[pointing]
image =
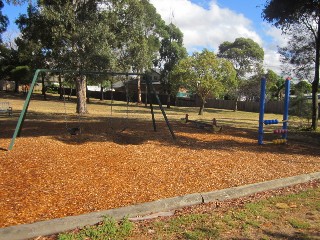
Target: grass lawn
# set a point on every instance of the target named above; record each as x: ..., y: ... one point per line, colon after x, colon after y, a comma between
x: 288, y: 214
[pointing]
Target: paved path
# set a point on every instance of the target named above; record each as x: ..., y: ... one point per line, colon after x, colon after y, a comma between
x: 26, y: 231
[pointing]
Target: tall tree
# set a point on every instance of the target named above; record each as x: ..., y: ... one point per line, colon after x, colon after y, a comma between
x: 3, y: 21
x: 171, y: 52
x: 284, y: 14
x: 247, y: 58
x: 206, y: 75
x: 32, y: 51
x: 300, y: 106
x: 245, y: 54
x: 20, y: 75
x: 9, y: 59
x: 299, y: 54
x: 137, y: 27
x: 77, y: 36
x: 275, y: 85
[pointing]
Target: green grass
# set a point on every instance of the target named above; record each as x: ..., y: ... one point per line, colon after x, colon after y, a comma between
x: 108, y: 229
x: 58, y: 110
x: 255, y: 220
x: 299, y: 224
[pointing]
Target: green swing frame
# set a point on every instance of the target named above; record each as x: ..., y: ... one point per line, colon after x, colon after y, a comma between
x: 147, y: 78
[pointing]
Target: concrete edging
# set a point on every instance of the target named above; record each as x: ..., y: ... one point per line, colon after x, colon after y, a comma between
x: 43, y: 228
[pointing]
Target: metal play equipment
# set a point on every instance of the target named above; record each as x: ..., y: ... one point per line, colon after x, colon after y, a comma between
x: 147, y: 78
x: 284, y: 130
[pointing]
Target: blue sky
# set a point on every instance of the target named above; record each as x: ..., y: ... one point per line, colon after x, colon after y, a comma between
x: 12, y: 13
x: 206, y: 24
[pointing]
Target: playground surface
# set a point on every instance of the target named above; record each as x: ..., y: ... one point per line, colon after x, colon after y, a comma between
x: 51, y: 174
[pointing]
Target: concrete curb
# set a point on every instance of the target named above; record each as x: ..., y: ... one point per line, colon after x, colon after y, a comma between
x: 43, y: 228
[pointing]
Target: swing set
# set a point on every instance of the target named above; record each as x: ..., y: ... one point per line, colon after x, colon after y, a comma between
x: 71, y: 130
x: 125, y: 83
x: 77, y: 129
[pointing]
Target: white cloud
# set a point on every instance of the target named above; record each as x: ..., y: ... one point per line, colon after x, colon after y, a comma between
x: 276, y: 39
x: 205, y: 28
x: 209, y: 27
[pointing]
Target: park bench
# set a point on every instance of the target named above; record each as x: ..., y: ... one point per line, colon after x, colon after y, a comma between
x: 5, y: 108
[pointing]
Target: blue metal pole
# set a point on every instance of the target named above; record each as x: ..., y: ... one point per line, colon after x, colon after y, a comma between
x: 261, y: 114
x: 286, y: 108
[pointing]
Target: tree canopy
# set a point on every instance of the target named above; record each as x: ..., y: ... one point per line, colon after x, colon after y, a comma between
x: 245, y: 54
x: 299, y: 52
x: 105, y: 35
x: 171, y: 52
x: 286, y: 14
x: 205, y: 75
x: 3, y: 21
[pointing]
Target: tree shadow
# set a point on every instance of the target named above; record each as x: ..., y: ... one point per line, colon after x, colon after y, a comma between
x: 139, y: 131
x: 294, y: 236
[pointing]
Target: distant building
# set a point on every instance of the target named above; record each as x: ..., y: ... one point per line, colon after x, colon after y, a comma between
x: 132, y: 83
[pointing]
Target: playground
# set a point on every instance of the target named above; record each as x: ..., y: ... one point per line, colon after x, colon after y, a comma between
x: 119, y: 160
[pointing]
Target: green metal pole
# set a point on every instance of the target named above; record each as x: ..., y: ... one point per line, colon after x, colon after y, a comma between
x: 24, y: 110
x: 35, y: 77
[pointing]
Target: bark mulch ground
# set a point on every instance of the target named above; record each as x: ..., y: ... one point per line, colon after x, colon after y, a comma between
x: 51, y: 174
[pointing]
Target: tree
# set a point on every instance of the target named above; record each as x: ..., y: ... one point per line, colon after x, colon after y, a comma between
x: 299, y: 52
x: 20, y: 75
x: 284, y: 14
x: 137, y: 28
x: 275, y: 85
x: 245, y: 54
x: 74, y: 34
x: 8, y: 60
x: 3, y: 21
x: 31, y: 51
x: 171, y: 52
x: 300, y: 106
x: 12, y: 68
x: 250, y: 89
x: 205, y: 74
x: 247, y: 58
x: 17, y: 2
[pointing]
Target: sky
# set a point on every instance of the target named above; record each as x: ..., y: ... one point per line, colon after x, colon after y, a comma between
x: 206, y: 24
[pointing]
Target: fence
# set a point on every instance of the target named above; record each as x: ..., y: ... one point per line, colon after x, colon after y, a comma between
x: 271, y: 106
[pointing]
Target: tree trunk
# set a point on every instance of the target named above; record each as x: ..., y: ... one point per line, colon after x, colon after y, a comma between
x: 102, y: 94
x: 60, y: 87
x: 81, y: 94
x: 139, y: 89
x: 70, y: 93
x: 88, y: 94
x: 236, y: 104
x: 146, y: 100
x: 169, y: 100
x: 44, y: 88
x: 16, y: 86
x: 202, y: 106
x: 315, y: 83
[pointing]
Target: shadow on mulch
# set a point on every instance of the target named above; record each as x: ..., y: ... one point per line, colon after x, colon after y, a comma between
x: 135, y: 132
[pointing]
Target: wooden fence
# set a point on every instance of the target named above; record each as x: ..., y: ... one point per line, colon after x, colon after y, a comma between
x: 271, y: 106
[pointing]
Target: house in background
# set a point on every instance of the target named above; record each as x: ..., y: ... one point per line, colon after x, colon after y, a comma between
x: 9, y: 86
x: 131, y: 83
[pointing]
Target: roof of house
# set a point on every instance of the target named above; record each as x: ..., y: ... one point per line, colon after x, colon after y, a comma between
x: 133, y: 79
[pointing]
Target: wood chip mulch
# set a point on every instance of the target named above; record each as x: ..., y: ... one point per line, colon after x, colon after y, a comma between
x: 50, y: 174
